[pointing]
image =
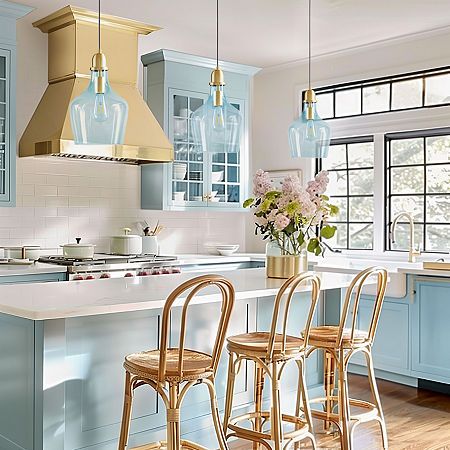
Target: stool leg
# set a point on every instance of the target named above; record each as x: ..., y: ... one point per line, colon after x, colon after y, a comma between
x: 275, y: 416
x: 344, y: 406
x: 302, y: 394
x: 173, y: 420
x: 215, y: 415
x: 259, y: 386
x: 376, y: 397
x: 126, y: 414
x: 329, y: 383
x: 229, y: 394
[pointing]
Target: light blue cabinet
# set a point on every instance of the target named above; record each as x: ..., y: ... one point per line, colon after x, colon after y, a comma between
x: 175, y: 85
x: 9, y: 13
x: 431, y: 330
x: 391, y: 346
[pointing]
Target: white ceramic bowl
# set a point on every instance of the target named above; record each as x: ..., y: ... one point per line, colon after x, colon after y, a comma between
x: 227, y: 252
x: 217, y: 176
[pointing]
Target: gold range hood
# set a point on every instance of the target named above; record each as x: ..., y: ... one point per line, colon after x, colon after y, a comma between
x: 72, y: 40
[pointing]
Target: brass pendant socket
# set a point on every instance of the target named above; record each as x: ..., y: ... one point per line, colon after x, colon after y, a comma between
x: 100, y: 84
x: 218, y: 98
x: 310, y: 96
x: 310, y: 112
x: 217, y: 78
x: 99, y: 62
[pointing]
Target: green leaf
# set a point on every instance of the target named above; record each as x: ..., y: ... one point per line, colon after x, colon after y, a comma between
x: 248, y: 202
x: 271, y: 195
x: 328, y: 231
x: 301, y: 238
x: 290, y: 228
x: 334, y: 210
x: 312, y: 245
x: 318, y: 250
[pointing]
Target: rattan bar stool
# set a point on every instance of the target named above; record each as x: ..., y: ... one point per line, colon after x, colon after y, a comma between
x: 271, y: 351
x: 172, y: 372
x: 339, y: 344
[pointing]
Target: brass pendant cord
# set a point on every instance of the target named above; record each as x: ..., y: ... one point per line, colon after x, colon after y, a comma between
x: 217, y: 34
x: 309, y: 45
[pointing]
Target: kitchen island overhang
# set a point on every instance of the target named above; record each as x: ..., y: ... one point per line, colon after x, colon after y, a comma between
x: 63, y: 346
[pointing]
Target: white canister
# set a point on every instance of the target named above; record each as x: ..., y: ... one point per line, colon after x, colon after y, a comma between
x: 150, y: 245
x: 126, y: 244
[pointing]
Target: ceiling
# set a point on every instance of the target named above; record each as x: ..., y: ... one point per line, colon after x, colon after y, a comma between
x: 268, y: 32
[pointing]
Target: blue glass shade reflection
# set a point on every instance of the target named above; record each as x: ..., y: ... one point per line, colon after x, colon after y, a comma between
x: 309, y: 138
x: 217, y: 129
x: 98, y: 118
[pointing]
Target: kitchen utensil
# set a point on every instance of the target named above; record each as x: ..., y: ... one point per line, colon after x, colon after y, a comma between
x: 178, y: 196
x: 150, y: 245
x: 126, y: 244
x: 216, y: 177
x: 78, y: 250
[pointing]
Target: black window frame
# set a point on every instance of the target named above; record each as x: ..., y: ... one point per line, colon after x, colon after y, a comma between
x: 346, y: 142
x: 390, y: 80
x: 415, y: 134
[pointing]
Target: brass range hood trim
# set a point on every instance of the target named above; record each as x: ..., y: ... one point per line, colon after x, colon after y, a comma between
x: 72, y: 41
x: 128, y: 153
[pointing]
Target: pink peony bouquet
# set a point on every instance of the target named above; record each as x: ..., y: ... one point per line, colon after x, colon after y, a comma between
x: 294, y: 217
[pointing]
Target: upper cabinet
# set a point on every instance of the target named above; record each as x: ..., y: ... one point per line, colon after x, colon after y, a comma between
x: 175, y: 85
x: 9, y: 13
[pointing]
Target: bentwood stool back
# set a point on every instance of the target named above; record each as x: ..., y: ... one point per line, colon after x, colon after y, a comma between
x: 339, y: 344
x: 171, y: 372
x: 271, y: 351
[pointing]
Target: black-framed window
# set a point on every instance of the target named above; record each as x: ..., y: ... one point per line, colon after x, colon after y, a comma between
x: 350, y: 165
x: 418, y: 182
x: 413, y: 90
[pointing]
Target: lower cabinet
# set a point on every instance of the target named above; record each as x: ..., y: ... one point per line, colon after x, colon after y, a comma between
x: 431, y: 331
x: 391, y: 346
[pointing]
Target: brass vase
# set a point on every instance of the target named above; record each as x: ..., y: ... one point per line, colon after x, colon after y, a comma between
x: 286, y: 266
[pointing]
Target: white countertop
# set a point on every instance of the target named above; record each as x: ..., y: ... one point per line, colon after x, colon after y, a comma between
x: 41, y: 301
x: 8, y: 270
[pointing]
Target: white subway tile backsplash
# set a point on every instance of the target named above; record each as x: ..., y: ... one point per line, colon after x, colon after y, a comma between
x: 59, y: 200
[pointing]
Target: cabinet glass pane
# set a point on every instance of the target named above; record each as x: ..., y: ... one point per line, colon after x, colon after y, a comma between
x: 180, y: 130
x: 2, y: 110
x: 348, y: 102
x: 180, y: 106
x: 233, y: 193
x: 2, y: 67
x: 233, y: 158
x: 195, y: 191
x: 181, y: 152
x: 437, y: 89
x: 376, y: 98
x: 233, y: 174
x: 2, y: 182
x: 195, y: 103
x: 219, y: 191
x: 407, y: 94
x: 179, y: 191
x: 3, y: 91
x: 218, y: 158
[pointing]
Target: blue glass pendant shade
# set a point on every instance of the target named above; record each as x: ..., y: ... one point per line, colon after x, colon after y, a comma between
x: 99, y: 118
x: 309, y: 138
x: 217, y: 129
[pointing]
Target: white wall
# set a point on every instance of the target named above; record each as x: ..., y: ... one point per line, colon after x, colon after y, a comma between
x: 275, y: 89
x: 60, y: 200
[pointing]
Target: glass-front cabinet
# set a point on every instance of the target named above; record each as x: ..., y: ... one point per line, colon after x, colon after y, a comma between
x: 195, y: 179
x: 5, y: 172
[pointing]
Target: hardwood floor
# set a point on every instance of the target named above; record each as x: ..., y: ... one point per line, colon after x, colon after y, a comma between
x: 416, y: 420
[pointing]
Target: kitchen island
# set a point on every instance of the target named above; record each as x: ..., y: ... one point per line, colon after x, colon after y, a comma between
x: 63, y: 345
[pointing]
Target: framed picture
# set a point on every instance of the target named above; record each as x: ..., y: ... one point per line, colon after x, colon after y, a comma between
x: 278, y: 176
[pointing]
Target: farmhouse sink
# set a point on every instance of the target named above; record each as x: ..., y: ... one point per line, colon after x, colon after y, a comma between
x: 397, y: 281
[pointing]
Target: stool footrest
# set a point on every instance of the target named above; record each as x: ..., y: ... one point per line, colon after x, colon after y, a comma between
x: 161, y: 445
x: 246, y: 433
x: 367, y: 416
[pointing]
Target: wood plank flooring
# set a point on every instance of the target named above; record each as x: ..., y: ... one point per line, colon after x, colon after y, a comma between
x: 416, y: 420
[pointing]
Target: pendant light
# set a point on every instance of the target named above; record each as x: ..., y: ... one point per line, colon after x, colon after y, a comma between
x: 99, y: 115
x: 216, y: 125
x: 309, y: 135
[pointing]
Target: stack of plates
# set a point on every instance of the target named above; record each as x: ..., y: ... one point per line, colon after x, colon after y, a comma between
x: 227, y: 250
x: 179, y: 171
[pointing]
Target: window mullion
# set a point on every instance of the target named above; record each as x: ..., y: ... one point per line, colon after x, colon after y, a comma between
x: 378, y: 193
